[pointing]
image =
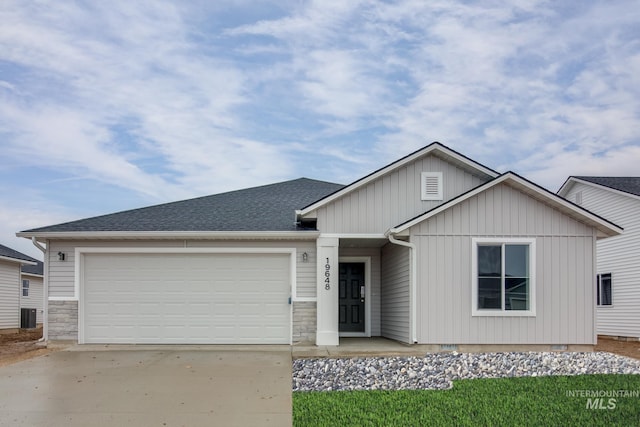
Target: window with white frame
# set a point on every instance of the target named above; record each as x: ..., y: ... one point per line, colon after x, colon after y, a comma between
x: 503, y: 277
x: 25, y: 288
x: 603, y: 289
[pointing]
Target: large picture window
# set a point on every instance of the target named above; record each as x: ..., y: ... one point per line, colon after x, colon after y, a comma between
x: 503, y: 277
x: 603, y: 290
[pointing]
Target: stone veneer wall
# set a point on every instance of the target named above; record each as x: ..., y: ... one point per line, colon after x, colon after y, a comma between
x: 63, y: 320
x: 304, y: 322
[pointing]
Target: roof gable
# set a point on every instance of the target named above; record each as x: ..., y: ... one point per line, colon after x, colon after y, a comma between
x: 265, y: 208
x: 605, y: 228
x: 434, y: 148
x: 628, y: 186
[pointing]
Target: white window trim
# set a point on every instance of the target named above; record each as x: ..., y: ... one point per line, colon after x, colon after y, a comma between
x: 423, y: 187
x: 475, y: 242
x: 599, y: 290
x: 28, y: 283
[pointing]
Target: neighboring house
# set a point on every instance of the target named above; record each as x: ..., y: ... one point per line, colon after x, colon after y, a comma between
x: 434, y: 248
x: 32, y: 292
x: 618, y: 266
x: 10, y: 286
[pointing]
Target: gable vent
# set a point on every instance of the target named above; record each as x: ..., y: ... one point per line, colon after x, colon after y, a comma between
x: 432, y: 186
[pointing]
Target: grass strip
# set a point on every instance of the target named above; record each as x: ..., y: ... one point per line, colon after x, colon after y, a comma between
x: 528, y: 401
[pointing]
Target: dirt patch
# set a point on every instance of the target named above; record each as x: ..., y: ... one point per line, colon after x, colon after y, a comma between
x: 624, y: 348
x: 21, y: 345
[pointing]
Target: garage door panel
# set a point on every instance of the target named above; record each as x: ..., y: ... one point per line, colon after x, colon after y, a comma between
x: 186, y: 298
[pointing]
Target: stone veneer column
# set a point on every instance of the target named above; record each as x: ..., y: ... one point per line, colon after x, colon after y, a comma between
x: 63, y: 320
x: 304, y: 322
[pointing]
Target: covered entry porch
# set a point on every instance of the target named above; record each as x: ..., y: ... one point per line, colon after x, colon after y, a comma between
x: 364, y: 289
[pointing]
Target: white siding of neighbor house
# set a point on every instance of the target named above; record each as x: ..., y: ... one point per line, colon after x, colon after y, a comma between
x: 395, y: 308
x: 62, y: 273
x: 374, y: 254
x: 393, y: 198
x: 9, y: 295
x: 564, y: 272
x: 36, y: 292
x: 617, y: 255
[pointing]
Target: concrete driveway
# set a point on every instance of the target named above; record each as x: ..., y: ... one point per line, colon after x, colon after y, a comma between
x: 150, y: 386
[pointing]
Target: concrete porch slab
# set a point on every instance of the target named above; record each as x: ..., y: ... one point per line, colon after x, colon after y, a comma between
x: 361, y: 347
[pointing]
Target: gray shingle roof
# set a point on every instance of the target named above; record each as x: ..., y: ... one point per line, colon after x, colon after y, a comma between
x: 265, y: 208
x: 34, y: 269
x: 12, y: 253
x: 626, y: 184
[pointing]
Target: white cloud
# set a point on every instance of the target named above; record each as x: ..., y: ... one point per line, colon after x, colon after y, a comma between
x: 131, y: 86
x: 585, y: 162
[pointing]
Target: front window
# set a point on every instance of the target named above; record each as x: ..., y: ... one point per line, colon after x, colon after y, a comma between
x: 503, y: 277
x: 25, y: 288
x: 603, y: 290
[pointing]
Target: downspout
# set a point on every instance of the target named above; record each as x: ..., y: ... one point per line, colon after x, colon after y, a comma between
x: 45, y: 292
x: 413, y: 280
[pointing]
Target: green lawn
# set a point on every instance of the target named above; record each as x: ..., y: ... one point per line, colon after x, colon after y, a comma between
x: 540, y: 401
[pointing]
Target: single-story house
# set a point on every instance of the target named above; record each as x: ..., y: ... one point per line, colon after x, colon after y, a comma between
x: 618, y: 279
x: 32, y: 291
x: 434, y: 248
x: 11, y: 287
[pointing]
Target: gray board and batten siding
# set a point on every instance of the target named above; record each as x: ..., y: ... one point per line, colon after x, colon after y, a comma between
x: 393, y: 198
x: 564, y: 272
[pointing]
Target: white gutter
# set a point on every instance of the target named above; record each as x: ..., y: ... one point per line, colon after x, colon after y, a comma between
x: 413, y: 280
x: 45, y: 292
x: 17, y: 260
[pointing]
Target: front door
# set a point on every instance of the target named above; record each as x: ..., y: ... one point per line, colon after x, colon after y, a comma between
x: 352, y: 294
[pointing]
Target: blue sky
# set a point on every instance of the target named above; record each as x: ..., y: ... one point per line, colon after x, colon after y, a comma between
x: 106, y: 106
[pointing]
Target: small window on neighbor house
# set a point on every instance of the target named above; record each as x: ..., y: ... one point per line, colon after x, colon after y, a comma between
x: 603, y: 289
x: 579, y: 198
x: 25, y: 288
x: 431, y: 186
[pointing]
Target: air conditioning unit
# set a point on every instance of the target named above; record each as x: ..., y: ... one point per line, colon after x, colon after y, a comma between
x: 28, y: 318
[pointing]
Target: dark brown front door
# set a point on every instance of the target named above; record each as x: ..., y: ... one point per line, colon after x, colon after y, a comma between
x: 351, y: 297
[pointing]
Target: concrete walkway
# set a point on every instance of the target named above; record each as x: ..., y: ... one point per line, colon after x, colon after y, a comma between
x: 162, y: 386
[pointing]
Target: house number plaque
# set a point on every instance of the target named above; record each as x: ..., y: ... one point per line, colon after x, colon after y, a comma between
x: 327, y: 275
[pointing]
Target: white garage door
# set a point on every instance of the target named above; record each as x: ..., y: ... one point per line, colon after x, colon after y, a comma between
x: 186, y: 298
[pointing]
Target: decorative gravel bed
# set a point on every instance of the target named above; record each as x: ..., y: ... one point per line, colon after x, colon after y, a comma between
x: 437, y: 370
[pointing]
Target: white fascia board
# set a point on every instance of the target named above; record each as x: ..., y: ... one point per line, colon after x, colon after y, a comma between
x: 605, y: 227
x: 40, y: 276
x: 434, y: 147
x: 17, y: 260
x: 192, y: 235
x: 573, y: 180
x: 566, y: 186
x: 354, y: 235
x: 180, y: 250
